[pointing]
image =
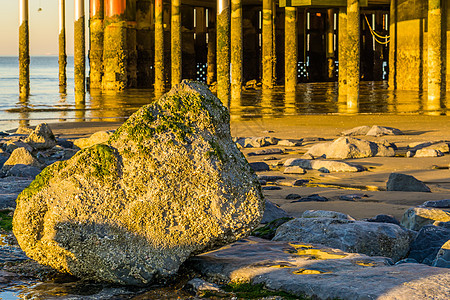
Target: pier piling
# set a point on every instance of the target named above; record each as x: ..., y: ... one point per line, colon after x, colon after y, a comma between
x: 291, y: 51
x: 159, y: 47
x: 144, y: 42
x: 236, y: 48
x: 130, y: 12
x: 62, y: 58
x: 79, y: 47
x: 211, y: 55
x: 175, y: 36
x: 330, y: 44
x: 434, y: 50
x: 267, y: 44
x: 96, y: 43
x: 24, y: 50
x: 223, y: 51
x: 353, y: 54
x: 342, y: 51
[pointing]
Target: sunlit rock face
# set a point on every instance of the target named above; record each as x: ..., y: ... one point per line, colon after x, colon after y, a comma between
x: 169, y: 183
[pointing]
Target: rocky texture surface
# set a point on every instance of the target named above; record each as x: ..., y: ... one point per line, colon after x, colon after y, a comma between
x: 405, y: 183
x: 442, y: 259
x: 382, y: 130
x: 322, y: 273
x: 41, y: 138
x: 331, y: 166
x: 99, y: 137
x: 273, y: 212
x: 374, y: 239
x: 326, y: 214
x: 170, y: 182
x: 416, y: 217
x: 426, y: 152
x: 348, y: 147
x: 429, y: 241
x: 10, y: 188
x: 20, y: 156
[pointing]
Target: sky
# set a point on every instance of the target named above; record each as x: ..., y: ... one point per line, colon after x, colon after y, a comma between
x: 43, y: 27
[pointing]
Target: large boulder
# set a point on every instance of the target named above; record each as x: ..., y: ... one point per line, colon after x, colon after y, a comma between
x: 42, y: 137
x: 415, y: 218
x: 170, y: 182
x: 405, y: 183
x: 429, y: 241
x: 442, y: 259
x: 348, y: 147
x: 20, y: 156
x: 374, y: 239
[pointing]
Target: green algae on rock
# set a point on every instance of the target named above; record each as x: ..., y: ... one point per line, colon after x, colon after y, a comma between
x: 169, y: 183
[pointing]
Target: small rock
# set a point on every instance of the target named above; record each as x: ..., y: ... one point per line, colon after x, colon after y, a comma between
x: 270, y: 158
x: 426, y: 152
x: 41, y: 138
x: 415, y: 218
x: 99, y: 137
x: 12, y: 145
x: 314, y: 197
x: 266, y: 152
x: 361, y: 130
x: 199, y: 285
x: 438, y: 203
x: 20, y: 156
x: 300, y: 182
x: 384, y: 219
x: 259, y: 166
x: 294, y: 170
x: 442, y: 259
x: 410, y: 153
x: 271, y: 188
x: 293, y: 196
x: 257, y: 142
x: 324, y: 170
x: 419, y: 145
x: 270, y: 178
x: 290, y: 143
x: 303, y: 163
x: 326, y: 214
x: 352, y: 197
x: 273, y: 212
x: 405, y: 183
x: 381, y: 130
x: 428, y: 242
x: 336, y: 166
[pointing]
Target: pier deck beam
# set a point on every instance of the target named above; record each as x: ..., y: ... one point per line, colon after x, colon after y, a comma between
x: 80, y: 48
x: 223, y: 51
x: 115, y: 46
x: 236, y: 48
x: 434, y: 50
x: 175, y: 36
x: 353, y: 54
x: 96, y: 43
x: 24, y: 50
x: 291, y: 49
x: 267, y: 45
x: 62, y: 58
x: 342, y: 51
x: 159, y: 48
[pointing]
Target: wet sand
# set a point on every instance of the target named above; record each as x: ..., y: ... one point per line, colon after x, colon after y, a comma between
x: 417, y: 128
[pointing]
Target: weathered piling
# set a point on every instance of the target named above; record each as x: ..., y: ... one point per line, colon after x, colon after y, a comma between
x: 159, y: 47
x: 130, y: 12
x: 291, y: 49
x: 96, y: 13
x: 236, y: 48
x: 330, y: 44
x: 175, y: 35
x: 353, y: 54
x: 211, y: 55
x: 62, y: 58
x: 393, y: 17
x: 24, y: 50
x: 342, y: 51
x: 434, y: 50
x: 223, y: 51
x: 115, y: 46
x: 79, y: 48
x: 267, y: 44
x: 144, y: 42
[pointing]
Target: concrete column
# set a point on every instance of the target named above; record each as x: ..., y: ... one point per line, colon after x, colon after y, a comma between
x: 236, y: 48
x: 115, y: 46
x: 353, y: 62
x: 96, y: 14
x: 175, y: 35
x: 290, y: 49
x: 131, y: 44
x: 330, y: 44
x: 211, y: 55
x: 144, y: 42
x: 434, y: 49
x: 393, y: 18
x: 62, y: 59
x: 223, y: 51
x: 342, y: 50
x: 159, y: 47
x: 267, y: 44
x: 24, y: 50
x: 80, y: 47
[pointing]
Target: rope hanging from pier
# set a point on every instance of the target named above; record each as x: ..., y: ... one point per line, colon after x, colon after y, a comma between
x: 376, y: 35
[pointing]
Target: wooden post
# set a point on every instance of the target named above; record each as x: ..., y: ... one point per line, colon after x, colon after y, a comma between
x: 267, y: 44
x: 330, y: 44
x: 211, y: 56
x: 24, y: 50
x: 80, y: 48
x: 434, y: 50
x: 96, y: 43
x: 290, y: 49
x: 342, y: 50
x: 353, y: 62
x: 115, y: 46
x: 131, y: 43
x: 223, y: 51
x: 393, y: 18
x: 144, y: 42
x: 62, y: 59
x: 175, y: 35
x: 159, y: 48
x: 236, y: 48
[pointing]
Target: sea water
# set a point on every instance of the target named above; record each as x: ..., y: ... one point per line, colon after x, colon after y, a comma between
x: 47, y: 103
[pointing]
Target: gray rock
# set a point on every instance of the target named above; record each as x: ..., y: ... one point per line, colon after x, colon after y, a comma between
x: 41, y: 138
x: 271, y: 188
x: 311, y: 198
x: 303, y: 163
x: 438, y: 203
x: 428, y: 243
x: 294, y: 170
x: 273, y: 212
x: 427, y: 152
x: 257, y: 142
x: 259, y: 166
x: 330, y: 165
x: 407, y: 261
x: 290, y: 143
x: 352, y: 197
x: 12, y: 145
x: 384, y: 219
x: 270, y: 178
x: 381, y: 130
x: 300, y: 182
x: 19, y: 170
x: 293, y: 197
x: 374, y: 239
x: 442, y: 259
x: 10, y: 188
x: 405, y: 183
x: 20, y: 156
x: 415, y: 218
x: 321, y: 273
x: 361, y: 130
x: 169, y: 183
x: 200, y: 285
x: 266, y: 152
x: 326, y: 214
